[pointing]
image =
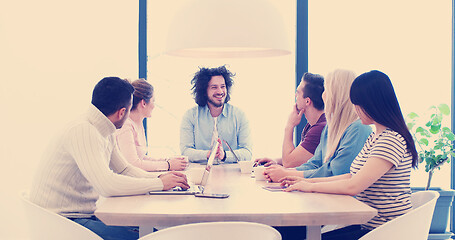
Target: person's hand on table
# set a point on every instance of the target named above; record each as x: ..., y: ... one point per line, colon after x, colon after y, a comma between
x: 178, y: 163
x: 265, y: 161
x: 219, y: 152
x: 276, y: 172
x: 302, y: 186
x: 290, y: 180
x: 174, y: 179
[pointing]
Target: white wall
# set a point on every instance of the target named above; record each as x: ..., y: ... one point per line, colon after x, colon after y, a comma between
x: 52, y: 53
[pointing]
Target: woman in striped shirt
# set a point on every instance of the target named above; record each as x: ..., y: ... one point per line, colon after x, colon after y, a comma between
x: 380, y: 174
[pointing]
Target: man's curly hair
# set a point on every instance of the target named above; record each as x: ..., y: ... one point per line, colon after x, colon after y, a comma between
x: 201, y: 79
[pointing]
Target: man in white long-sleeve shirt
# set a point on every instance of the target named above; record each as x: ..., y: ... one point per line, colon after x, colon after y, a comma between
x: 84, y: 162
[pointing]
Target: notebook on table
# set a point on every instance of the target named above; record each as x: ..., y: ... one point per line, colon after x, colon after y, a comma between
x: 194, y: 189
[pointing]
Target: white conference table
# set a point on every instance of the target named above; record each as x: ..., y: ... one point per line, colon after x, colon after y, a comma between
x: 248, y: 201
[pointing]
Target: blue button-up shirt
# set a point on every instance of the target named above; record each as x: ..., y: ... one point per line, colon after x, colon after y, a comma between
x: 196, y: 132
x: 350, y: 144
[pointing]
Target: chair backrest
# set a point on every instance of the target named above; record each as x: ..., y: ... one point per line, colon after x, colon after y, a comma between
x: 47, y: 225
x: 413, y: 225
x: 216, y: 231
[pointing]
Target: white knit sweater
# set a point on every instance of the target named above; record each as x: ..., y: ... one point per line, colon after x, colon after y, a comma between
x: 83, y: 163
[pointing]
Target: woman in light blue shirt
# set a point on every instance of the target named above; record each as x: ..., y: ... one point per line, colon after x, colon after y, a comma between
x: 351, y: 143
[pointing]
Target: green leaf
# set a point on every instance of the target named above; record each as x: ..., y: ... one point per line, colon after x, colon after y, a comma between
x: 427, y: 168
x: 420, y: 129
x: 444, y: 109
x: 435, y: 141
x: 450, y: 136
x: 424, y: 141
x: 435, y: 129
x: 410, y: 125
x: 426, y: 133
x: 440, y: 143
x: 423, y: 132
x: 446, y: 129
x: 412, y: 115
x: 437, y: 119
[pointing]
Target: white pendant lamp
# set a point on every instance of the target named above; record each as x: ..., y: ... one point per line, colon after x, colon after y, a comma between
x: 227, y: 29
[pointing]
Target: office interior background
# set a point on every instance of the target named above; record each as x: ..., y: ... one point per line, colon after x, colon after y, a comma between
x: 52, y: 53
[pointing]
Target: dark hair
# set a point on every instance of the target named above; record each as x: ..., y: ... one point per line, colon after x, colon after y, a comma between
x: 373, y: 91
x: 142, y: 90
x: 314, y: 87
x: 112, y: 94
x: 201, y: 81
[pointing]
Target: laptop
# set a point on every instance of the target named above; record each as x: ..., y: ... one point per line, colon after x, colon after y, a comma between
x: 194, y: 189
x: 204, y: 161
x: 233, y: 153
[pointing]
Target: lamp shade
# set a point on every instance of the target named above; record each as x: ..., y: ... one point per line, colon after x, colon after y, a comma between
x: 227, y: 29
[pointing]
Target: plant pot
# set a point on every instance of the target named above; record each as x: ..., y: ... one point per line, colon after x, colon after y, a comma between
x: 442, y: 209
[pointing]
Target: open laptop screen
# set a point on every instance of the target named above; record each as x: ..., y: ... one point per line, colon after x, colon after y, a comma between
x: 210, y: 161
x: 196, y: 188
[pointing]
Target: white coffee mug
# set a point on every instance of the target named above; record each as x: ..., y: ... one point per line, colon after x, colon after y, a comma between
x: 195, y: 174
x: 246, y: 166
x: 259, y: 173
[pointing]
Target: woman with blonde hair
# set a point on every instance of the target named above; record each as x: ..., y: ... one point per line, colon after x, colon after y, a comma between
x: 131, y: 137
x: 342, y: 138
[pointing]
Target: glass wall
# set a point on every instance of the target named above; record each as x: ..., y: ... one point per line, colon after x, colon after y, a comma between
x: 263, y: 87
x: 408, y: 40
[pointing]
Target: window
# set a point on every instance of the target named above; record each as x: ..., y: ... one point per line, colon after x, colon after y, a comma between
x: 408, y: 40
x: 263, y: 87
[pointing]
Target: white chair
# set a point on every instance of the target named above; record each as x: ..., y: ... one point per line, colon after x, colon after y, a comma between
x: 216, y: 231
x: 47, y: 225
x: 413, y: 225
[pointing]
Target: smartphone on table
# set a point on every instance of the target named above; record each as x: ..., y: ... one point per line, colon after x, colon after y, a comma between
x: 274, y: 188
x: 212, y: 195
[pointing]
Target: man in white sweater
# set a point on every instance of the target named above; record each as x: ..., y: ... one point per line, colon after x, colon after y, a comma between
x: 84, y: 162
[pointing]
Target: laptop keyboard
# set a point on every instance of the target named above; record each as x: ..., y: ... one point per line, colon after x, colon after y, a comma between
x: 179, y: 189
x: 195, y: 188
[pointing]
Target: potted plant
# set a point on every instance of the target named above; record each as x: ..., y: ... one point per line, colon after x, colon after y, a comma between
x: 434, y: 144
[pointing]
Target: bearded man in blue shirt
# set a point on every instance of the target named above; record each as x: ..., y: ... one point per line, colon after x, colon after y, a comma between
x: 214, y: 119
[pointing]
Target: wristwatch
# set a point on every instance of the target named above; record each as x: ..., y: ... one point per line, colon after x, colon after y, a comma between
x: 224, y: 158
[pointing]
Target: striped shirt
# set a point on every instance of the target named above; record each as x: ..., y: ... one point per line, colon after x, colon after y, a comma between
x: 391, y: 193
